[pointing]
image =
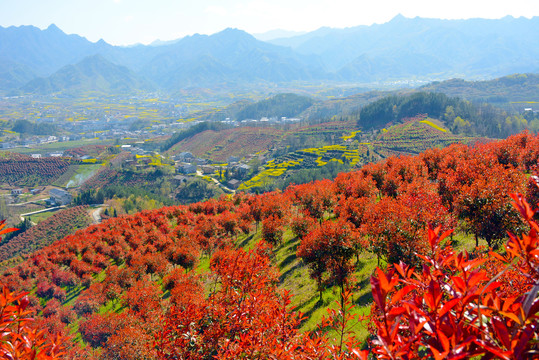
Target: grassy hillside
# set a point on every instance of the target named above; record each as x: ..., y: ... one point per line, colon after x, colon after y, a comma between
x: 304, y: 153
x: 415, y: 136
x: 131, y: 269
x: 92, y: 74
x: 307, y: 150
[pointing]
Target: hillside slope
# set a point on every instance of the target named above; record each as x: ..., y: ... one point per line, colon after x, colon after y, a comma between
x: 56, y: 227
x: 220, y: 145
x: 22, y: 170
x: 111, y: 283
x: 501, y: 91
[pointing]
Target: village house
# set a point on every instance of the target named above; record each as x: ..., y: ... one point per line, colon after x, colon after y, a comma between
x: 187, y: 169
x: 207, y: 169
x: 185, y: 156
x: 234, y: 184
x: 60, y: 197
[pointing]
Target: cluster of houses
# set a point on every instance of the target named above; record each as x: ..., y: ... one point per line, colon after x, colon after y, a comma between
x: 234, y: 171
x: 59, y: 154
x: 60, y: 197
x: 57, y: 197
x: 102, y: 135
x: 90, y: 129
x: 272, y: 120
x: 33, y: 141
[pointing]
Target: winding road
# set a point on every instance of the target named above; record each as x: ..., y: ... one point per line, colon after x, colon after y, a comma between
x: 96, y: 214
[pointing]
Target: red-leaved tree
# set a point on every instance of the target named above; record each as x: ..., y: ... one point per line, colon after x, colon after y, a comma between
x: 452, y: 309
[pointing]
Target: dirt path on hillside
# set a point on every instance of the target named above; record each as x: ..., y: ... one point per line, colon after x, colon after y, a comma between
x: 96, y: 215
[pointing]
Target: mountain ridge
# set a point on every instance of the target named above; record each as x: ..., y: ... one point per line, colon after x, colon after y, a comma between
x: 93, y: 73
x: 403, y: 48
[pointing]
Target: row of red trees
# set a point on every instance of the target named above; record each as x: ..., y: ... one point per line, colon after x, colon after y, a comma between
x: 54, y: 228
x: 27, y: 171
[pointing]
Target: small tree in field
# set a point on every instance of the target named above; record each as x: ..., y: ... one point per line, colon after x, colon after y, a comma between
x: 272, y: 230
x: 328, y: 248
x: 486, y: 207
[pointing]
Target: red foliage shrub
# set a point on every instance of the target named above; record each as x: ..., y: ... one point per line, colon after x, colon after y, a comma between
x: 302, y: 225
x: 20, y: 340
x: 315, y: 198
x: 328, y: 249
x: 185, y: 288
x: 51, y: 308
x: 244, y: 317
x: 97, y: 328
x: 451, y: 308
x: 272, y: 230
x: 143, y: 298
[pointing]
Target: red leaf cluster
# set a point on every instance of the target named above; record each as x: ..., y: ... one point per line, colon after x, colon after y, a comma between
x: 452, y: 309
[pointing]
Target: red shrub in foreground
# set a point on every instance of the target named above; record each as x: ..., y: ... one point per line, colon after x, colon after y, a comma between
x: 18, y: 339
x: 246, y: 317
x: 452, y: 309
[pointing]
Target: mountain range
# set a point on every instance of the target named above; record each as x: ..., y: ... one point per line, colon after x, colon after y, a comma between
x: 93, y: 73
x: 48, y: 61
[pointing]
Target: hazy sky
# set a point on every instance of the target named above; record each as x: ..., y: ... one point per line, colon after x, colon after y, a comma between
x: 122, y: 22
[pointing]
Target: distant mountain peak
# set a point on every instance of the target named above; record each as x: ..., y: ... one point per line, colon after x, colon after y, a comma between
x: 232, y: 36
x: 92, y: 73
x: 233, y: 32
x: 54, y: 28
x: 511, y: 18
x: 398, y: 17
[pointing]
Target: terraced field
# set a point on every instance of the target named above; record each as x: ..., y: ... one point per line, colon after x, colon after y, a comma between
x: 335, y: 129
x: 219, y: 146
x: 414, y: 137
